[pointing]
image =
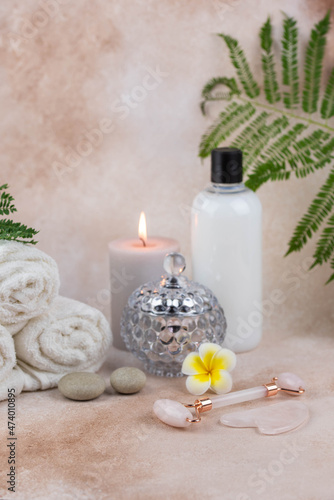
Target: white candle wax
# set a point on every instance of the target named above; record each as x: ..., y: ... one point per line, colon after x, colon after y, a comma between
x: 131, y: 265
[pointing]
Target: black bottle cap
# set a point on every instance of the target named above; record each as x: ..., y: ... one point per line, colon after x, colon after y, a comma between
x: 226, y: 166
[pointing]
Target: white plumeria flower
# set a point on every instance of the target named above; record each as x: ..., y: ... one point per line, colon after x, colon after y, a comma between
x: 209, y: 369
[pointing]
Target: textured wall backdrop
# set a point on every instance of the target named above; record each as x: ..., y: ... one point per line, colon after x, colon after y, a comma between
x: 65, y: 70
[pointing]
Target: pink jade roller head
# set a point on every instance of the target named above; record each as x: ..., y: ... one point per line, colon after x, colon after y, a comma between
x: 178, y: 415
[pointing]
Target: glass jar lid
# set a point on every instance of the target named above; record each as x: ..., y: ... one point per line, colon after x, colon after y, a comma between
x: 174, y: 294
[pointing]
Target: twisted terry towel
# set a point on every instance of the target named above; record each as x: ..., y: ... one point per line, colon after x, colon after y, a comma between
x: 71, y: 336
x: 29, y: 282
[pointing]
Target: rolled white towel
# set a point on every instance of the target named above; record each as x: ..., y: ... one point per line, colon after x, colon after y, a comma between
x: 16, y: 327
x: 29, y: 282
x: 10, y: 377
x: 71, y: 336
x: 15, y: 380
x: 7, y: 354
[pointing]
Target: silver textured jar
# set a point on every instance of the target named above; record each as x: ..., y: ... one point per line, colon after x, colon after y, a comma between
x: 165, y: 320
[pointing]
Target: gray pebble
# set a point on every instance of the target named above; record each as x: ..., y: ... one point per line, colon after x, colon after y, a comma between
x: 127, y: 380
x: 81, y: 386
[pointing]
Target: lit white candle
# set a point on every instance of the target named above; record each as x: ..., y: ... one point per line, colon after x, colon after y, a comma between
x: 133, y: 262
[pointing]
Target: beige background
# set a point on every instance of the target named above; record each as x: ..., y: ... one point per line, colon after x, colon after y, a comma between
x: 57, y: 83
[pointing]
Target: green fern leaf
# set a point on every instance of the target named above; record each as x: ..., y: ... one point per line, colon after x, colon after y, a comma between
x: 322, y: 159
x: 247, y: 134
x: 325, y: 244
x: 329, y: 147
x: 220, y: 80
x: 327, y: 105
x: 318, y: 210
x: 260, y: 140
x: 324, y: 155
x: 279, y: 150
x: 265, y: 172
x: 332, y: 276
x: 303, y: 151
x: 228, y: 121
x: 268, y: 65
x: 240, y: 63
x: 6, y: 205
x: 265, y: 36
x: 313, y: 65
x: 202, y: 106
x: 10, y: 230
x: 290, y: 62
x: 207, y: 95
x: 309, y: 152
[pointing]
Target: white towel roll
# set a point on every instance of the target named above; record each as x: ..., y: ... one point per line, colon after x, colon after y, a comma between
x: 15, y: 380
x: 16, y: 327
x: 29, y: 282
x: 7, y: 354
x: 71, y: 336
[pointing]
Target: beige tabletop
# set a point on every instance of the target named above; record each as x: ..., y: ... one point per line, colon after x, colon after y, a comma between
x: 115, y: 448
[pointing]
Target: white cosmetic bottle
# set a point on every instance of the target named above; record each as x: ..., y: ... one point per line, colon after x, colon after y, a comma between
x: 226, y: 239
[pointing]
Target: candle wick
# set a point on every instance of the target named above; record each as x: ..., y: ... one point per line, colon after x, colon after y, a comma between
x: 143, y: 241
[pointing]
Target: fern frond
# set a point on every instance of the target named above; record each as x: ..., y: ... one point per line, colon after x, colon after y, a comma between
x: 325, y: 244
x: 10, y: 230
x: 310, y: 152
x: 318, y: 210
x: 260, y: 140
x: 332, y: 276
x: 327, y: 105
x: 303, y: 150
x: 324, y: 154
x: 228, y: 121
x: 279, y: 150
x: 220, y: 80
x: 265, y: 36
x: 268, y: 65
x: 240, y: 63
x: 290, y: 62
x: 6, y: 205
x: 302, y: 172
x: 207, y: 95
x: 329, y: 147
x: 246, y: 135
x: 313, y: 65
x: 265, y: 172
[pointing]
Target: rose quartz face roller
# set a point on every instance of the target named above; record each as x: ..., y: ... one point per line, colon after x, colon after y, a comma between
x: 178, y: 415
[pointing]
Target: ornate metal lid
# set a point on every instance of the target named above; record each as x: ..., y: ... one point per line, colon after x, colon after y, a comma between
x: 174, y: 294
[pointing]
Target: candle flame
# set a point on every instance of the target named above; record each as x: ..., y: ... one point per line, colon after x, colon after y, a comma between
x: 142, y: 230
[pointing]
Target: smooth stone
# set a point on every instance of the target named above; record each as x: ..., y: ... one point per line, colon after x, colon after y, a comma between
x: 290, y: 381
x: 272, y: 420
x: 128, y: 380
x: 172, y: 412
x: 81, y: 386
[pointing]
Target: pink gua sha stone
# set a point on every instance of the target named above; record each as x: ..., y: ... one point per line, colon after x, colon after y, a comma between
x: 273, y: 419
